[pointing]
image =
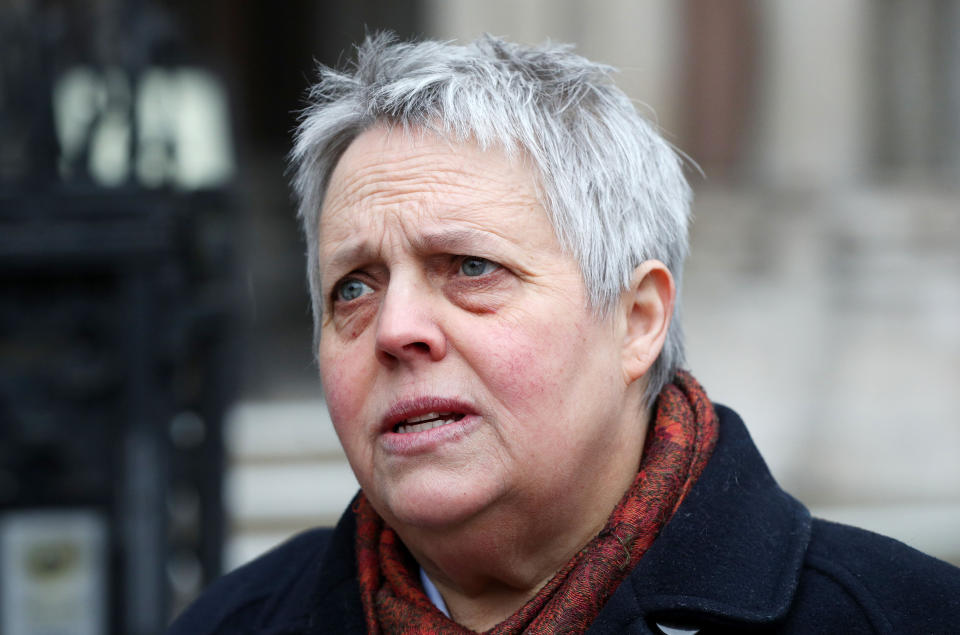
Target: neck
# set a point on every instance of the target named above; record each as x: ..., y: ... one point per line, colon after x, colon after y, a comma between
x: 504, y: 574
x: 483, y: 613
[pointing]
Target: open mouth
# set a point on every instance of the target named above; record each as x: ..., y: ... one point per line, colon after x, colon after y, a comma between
x: 427, y: 421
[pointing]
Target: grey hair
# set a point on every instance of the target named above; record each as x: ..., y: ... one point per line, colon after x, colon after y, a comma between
x: 612, y: 186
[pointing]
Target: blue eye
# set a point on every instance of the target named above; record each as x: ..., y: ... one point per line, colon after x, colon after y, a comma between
x: 351, y: 289
x: 473, y: 266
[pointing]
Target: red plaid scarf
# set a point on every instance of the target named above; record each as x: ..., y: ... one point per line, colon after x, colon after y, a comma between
x: 678, y: 445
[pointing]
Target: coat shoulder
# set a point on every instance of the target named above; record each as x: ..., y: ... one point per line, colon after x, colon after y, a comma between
x: 890, y: 585
x: 240, y: 600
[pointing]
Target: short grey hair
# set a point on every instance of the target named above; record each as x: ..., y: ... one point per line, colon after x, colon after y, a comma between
x: 612, y: 186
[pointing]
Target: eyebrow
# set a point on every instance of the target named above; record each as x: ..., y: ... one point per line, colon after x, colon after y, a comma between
x: 457, y: 241
x: 461, y: 241
x: 347, y: 255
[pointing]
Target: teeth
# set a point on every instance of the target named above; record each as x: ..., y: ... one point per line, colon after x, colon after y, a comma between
x: 426, y: 417
x: 428, y: 421
x: 420, y: 427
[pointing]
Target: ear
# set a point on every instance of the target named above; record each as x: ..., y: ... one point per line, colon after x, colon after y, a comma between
x: 648, y: 308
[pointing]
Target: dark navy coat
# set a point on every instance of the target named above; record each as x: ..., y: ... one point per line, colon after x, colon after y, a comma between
x: 739, y: 556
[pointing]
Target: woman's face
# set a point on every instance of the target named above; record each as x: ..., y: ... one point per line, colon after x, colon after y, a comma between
x: 463, y: 370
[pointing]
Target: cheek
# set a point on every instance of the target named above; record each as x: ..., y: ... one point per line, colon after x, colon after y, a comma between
x: 343, y: 391
x: 526, y: 369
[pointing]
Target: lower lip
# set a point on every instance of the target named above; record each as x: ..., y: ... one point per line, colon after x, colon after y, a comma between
x: 410, y: 443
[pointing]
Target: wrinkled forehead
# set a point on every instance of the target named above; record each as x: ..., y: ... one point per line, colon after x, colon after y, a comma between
x: 410, y: 178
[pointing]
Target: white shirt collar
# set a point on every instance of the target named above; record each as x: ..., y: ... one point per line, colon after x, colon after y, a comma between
x: 433, y: 593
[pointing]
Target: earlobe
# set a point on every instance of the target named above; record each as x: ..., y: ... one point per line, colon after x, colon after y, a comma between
x: 648, y: 309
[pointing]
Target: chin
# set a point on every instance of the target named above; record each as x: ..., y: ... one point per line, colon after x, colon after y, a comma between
x: 433, y: 502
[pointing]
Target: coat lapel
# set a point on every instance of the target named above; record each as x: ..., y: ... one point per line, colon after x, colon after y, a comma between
x: 733, y: 552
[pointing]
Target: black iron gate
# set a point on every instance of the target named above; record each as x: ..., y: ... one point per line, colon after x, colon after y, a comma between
x: 116, y: 296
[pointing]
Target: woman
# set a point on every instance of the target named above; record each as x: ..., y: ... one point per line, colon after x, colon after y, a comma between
x: 495, y: 240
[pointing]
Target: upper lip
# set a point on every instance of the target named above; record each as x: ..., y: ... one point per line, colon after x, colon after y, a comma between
x: 417, y: 406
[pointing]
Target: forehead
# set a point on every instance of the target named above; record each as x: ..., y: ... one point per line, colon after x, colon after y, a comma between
x: 414, y: 179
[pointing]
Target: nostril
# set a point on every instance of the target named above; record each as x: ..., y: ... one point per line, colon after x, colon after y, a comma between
x: 422, y: 347
x: 412, y: 350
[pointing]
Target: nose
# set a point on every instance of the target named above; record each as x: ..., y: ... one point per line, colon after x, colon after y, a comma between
x: 407, y: 328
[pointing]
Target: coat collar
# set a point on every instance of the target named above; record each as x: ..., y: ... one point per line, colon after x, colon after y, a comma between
x: 732, y: 552
x: 336, y: 599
